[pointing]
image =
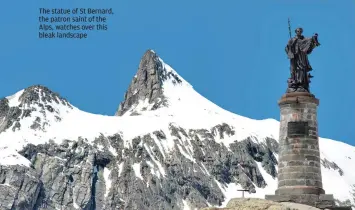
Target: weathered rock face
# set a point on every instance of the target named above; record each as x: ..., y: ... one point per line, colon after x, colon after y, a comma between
x: 36, y: 100
x: 147, y: 85
x: 8, y: 115
x: 110, y: 175
x: 331, y: 165
x: 66, y: 172
x: 39, y: 94
x: 19, y: 188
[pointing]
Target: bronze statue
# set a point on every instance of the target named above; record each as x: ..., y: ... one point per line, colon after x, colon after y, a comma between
x: 297, y: 50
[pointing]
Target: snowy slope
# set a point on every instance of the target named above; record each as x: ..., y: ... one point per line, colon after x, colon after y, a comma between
x: 186, y: 109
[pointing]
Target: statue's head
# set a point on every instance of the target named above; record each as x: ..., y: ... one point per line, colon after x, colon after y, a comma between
x: 299, y: 31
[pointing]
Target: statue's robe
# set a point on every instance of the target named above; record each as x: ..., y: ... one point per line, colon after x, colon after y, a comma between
x: 297, y: 50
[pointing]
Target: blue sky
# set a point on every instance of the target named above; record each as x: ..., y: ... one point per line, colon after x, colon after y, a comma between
x: 232, y: 52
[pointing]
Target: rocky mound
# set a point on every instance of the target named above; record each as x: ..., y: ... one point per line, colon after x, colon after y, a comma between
x: 260, y: 204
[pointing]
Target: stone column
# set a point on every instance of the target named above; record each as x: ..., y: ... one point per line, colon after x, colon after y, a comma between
x: 299, y: 169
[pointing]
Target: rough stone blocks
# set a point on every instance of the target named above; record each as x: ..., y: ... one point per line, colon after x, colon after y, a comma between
x: 299, y: 157
x: 319, y: 201
x: 299, y: 168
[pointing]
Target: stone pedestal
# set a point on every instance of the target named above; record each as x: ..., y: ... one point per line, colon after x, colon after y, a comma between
x: 299, y: 168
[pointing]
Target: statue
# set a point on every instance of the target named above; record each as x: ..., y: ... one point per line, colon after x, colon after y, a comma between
x: 297, y: 50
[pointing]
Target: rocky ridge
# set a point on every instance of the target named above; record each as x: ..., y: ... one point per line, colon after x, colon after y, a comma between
x: 36, y: 100
x: 73, y: 173
x: 175, y: 166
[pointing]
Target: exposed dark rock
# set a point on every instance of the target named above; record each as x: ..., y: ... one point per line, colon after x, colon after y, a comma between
x: 41, y: 94
x: 223, y: 129
x: 17, y: 126
x: 331, y: 165
x: 34, y: 98
x: 20, y: 187
x: 143, y: 175
x: 8, y: 115
x: 147, y: 85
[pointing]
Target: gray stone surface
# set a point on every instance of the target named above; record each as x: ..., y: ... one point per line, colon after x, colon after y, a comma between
x: 299, y: 167
x: 299, y: 157
x: 34, y: 98
x: 319, y: 201
x: 147, y: 85
x: 72, y: 173
x: 19, y: 187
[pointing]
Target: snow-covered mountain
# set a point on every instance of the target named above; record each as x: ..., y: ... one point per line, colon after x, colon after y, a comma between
x: 168, y: 147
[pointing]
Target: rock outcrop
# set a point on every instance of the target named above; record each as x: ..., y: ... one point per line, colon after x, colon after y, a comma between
x: 260, y: 204
x: 147, y: 85
x: 106, y: 175
x: 37, y: 101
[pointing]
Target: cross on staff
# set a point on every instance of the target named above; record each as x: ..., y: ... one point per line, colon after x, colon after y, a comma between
x: 243, y: 192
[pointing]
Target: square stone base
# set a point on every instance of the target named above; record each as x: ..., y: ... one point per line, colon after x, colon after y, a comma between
x: 323, y: 201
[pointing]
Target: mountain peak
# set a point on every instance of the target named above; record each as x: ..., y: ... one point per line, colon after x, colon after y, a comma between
x: 36, y: 104
x: 147, y: 86
x: 41, y: 94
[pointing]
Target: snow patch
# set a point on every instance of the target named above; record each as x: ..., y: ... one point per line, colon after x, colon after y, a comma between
x: 100, y: 147
x: 185, y: 154
x: 11, y: 157
x: 112, y: 150
x: 137, y: 170
x: 230, y: 192
x: 108, y: 181
x: 159, y: 144
x: 204, y: 167
x: 344, y: 156
x: 120, y: 168
x: 160, y: 167
x: 270, y: 181
x: 186, y: 205
x: 75, y: 205
x: 14, y: 100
